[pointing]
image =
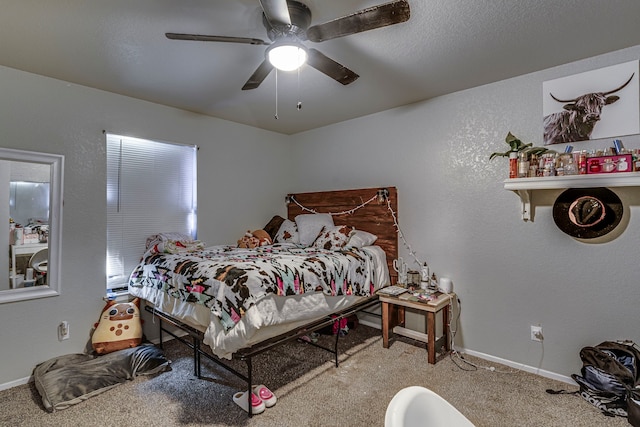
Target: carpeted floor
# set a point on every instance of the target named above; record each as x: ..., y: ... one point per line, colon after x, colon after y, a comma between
x: 311, y: 391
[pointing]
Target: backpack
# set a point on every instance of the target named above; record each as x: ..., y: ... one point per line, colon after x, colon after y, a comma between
x: 610, y: 379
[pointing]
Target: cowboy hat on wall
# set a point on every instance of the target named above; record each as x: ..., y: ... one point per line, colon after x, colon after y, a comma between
x: 603, y: 103
x: 587, y: 213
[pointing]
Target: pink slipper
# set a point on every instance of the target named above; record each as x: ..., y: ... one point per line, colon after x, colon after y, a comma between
x: 265, y: 395
x: 257, y: 405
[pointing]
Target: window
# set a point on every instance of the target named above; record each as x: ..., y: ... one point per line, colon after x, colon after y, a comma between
x: 151, y: 188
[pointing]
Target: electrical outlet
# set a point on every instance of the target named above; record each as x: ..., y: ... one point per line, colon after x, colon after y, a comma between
x: 536, y: 333
x: 63, y: 330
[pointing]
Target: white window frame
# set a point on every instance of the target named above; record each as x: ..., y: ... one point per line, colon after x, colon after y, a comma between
x: 151, y: 189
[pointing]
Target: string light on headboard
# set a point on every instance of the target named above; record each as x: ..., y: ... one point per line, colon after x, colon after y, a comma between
x: 291, y: 199
x: 381, y: 196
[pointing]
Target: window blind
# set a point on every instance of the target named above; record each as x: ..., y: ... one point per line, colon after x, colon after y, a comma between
x: 151, y: 188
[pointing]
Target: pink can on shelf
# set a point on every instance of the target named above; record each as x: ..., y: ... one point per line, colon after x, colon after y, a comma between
x: 610, y: 164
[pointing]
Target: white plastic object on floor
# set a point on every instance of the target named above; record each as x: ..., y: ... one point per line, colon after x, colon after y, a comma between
x: 418, y: 406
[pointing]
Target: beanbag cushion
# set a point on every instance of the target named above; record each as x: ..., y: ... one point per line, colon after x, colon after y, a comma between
x: 72, y: 378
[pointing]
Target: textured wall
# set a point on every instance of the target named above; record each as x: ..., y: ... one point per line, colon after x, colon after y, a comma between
x: 47, y: 115
x: 456, y: 215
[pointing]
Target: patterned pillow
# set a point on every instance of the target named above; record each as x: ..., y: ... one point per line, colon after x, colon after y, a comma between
x: 288, y: 232
x: 332, y: 238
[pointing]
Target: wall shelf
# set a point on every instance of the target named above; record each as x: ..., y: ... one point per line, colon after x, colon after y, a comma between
x: 524, y: 186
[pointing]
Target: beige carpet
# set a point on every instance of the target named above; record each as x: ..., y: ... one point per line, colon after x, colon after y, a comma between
x: 311, y: 391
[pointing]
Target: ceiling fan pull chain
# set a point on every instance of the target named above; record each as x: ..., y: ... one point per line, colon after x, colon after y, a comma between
x: 276, y: 115
x: 299, y: 104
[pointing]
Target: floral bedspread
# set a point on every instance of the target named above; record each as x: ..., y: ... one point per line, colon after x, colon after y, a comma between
x: 229, y: 280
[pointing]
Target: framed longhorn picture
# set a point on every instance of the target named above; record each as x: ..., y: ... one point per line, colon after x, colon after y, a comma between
x: 603, y: 103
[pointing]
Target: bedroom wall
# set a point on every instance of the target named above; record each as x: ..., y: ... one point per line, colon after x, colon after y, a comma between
x: 43, y: 114
x: 453, y: 209
x: 454, y: 212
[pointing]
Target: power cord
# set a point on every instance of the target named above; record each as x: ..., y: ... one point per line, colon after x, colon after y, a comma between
x: 458, y: 358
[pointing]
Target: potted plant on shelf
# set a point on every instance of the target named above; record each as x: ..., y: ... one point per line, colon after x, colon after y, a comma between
x: 517, y: 146
x: 520, y: 155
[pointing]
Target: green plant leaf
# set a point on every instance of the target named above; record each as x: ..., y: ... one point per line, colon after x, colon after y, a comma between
x: 516, y: 145
x: 510, y: 138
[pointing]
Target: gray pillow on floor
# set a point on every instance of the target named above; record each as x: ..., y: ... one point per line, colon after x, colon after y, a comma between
x: 69, y: 379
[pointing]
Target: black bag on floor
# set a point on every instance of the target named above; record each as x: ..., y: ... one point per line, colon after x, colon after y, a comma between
x: 633, y: 408
x: 610, y: 372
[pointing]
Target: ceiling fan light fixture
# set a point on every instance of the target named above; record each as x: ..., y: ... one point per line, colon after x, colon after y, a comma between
x: 287, y: 56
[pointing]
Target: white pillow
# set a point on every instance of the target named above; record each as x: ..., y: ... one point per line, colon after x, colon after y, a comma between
x: 334, y: 238
x: 310, y: 225
x: 360, y: 238
x: 288, y: 232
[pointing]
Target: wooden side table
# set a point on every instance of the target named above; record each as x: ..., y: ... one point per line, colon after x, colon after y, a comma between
x: 393, y: 308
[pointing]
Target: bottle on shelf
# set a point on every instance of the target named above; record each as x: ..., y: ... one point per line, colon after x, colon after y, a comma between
x: 559, y: 164
x: 523, y: 165
x: 548, y: 164
x: 533, y: 166
x: 513, y: 164
x: 582, y: 163
x: 570, y: 167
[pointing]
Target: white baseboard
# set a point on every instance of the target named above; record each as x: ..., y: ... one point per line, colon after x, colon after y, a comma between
x: 520, y: 366
x: 490, y: 358
x: 16, y: 383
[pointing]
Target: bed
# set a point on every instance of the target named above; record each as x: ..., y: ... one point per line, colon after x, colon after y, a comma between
x: 240, y: 302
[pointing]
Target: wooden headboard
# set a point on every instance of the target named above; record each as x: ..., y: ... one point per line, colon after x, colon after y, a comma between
x: 374, y: 217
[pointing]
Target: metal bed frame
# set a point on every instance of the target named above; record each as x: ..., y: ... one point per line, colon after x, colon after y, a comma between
x: 372, y: 217
x: 247, y: 354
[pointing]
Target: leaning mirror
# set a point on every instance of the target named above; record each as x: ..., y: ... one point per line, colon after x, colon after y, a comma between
x: 31, y: 209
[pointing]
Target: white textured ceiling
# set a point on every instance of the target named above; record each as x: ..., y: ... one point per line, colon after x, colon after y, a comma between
x: 447, y: 45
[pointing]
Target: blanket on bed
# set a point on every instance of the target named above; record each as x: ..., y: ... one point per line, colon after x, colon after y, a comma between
x: 69, y: 379
x: 229, y: 280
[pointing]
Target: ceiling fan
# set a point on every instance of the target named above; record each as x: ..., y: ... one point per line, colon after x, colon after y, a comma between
x: 287, y: 24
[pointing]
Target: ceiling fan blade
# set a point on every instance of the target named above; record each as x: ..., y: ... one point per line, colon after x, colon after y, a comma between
x: 258, y: 76
x: 331, y: 68
x: 276, y: 11
x: 203, y: 38
x: 364, y: 20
